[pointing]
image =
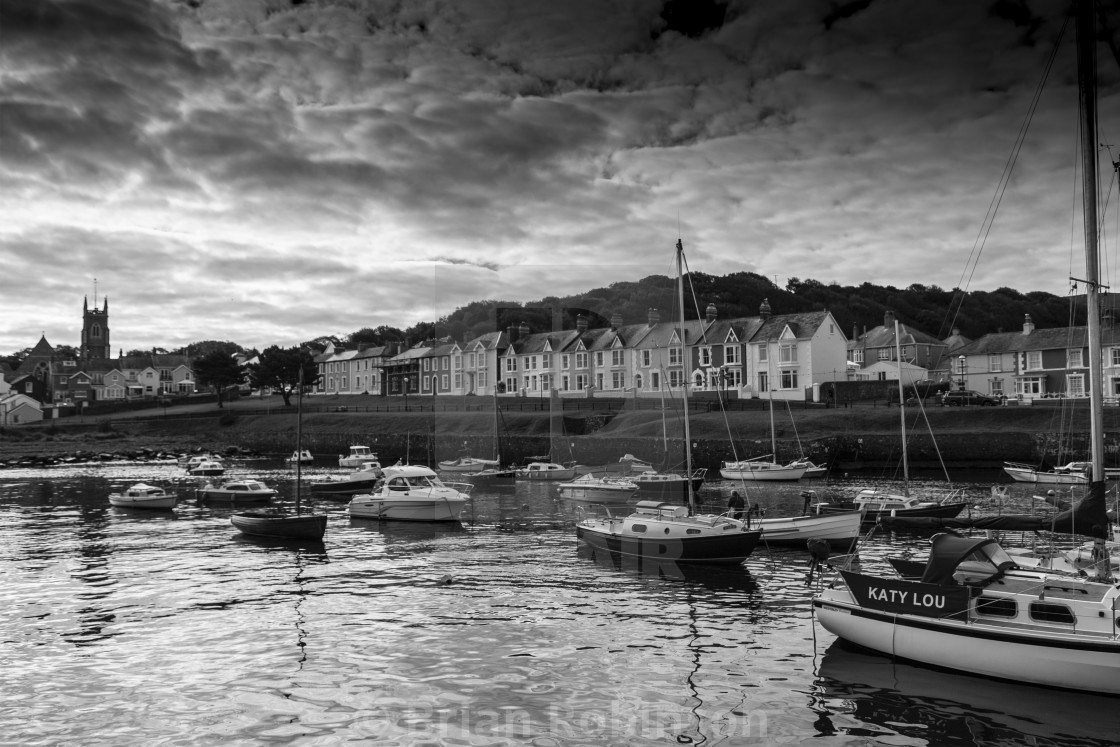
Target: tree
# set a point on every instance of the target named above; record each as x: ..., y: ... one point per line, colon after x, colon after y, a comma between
x: 279, y: 369
x: 219, y: 370
x: 205, y: 347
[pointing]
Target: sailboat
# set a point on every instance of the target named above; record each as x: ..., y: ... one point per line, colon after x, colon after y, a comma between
x: 764, y: 467
x: 277, y: 523
x: 671, y: 533
x: 494, y: 473
x: 875, y: 503
x: 973, y: 608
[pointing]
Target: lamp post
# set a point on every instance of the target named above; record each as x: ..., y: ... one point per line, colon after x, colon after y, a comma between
x: 960, y: 369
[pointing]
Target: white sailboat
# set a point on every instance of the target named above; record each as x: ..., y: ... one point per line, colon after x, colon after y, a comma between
x: 971, y: 608
x: 670, y: 533
x: 765, y: 468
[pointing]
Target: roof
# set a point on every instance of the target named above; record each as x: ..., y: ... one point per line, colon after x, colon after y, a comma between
x: 883, y: 336
x: 1054, y: 338
x: 803, y: 325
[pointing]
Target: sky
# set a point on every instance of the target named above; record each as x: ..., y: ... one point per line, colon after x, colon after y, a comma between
x: 268, y: 172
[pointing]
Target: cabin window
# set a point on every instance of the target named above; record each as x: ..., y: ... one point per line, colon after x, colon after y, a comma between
x: 1051, y: 613
x: 692, y: 531
x: 638, y: 528
x: 996, y: 607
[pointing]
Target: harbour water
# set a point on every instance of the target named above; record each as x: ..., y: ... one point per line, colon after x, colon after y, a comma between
x: 125, y: 627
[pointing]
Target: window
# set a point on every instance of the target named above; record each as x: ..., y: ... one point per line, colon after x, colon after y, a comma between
x: 996, y: 387
x: 616, y: 358
x: 731, y: 354
x: 427, y: 364
x: 470, y: 360
x: 599, y: 381
x: 1034, y: 360
x: 655, y: 380
x: 789, y: 379
x: 993, y: 607
x: 674, y: 356
x: 763, y: 352
x: 546, y: 382
x: 1075, y: 385
x: 787, y: 354
x: 443, y: 382
x: 618, y: 380
x: 546, y: 361
x: 646, y: 357
x: 857, y: 355
x: 1073, y: 358
x: 581, y: 360
x: 763, y: 382
x: 427, y: 382
x: 1114, y: 356
x: 446, y: 362
x: 1051, y: 613
x: 482, y: 377
x: 1032, y: 386
x: 884, y: 354
x: 705, y: 356
x: 581, y: 382
x: 511, y: 364
x: 994, y: 363
x: 525, y: 363
x: 564, y: 361
x: 599, y: 359
x: 565, y: 385
x: 676, y: 378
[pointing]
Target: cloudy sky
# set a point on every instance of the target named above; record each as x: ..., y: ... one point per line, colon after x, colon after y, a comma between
x: 268, y: 171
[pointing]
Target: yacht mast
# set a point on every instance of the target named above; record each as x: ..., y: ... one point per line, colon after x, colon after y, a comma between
x: 902, y: 413
x: 684, y: 381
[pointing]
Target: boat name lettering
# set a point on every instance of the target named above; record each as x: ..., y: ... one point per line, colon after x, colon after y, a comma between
x: 903, y: 597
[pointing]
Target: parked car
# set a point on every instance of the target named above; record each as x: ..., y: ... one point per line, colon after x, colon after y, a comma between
x: 967, y: 397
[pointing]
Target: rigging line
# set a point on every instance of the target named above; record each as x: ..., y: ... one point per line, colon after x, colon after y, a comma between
x: 1005, y: 177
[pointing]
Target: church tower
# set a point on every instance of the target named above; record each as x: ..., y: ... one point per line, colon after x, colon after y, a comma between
x: 95, y: 331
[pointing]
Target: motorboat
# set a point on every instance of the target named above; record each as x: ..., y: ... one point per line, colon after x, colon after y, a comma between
x: 602, y: 489
x: 875, y: 504
x: 546, y: 471
x: 467, y: 464
x: 971, y: 608
x: 630, y: 464
x: 410, y: 492
x: 359, y: 481
x: 1049, y: 476
x: 839, y: 528
x: 668, y: 485
x: 207, y: 468
x: 760, y: 469
x: 190, y: 462
x: 812, y: 469
x: 302, y: 455
x: 142, y: 495
x: 359, y: 456
x: 236, y: 491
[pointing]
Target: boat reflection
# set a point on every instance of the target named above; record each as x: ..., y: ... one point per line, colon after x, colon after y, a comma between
x: 857, y: 690
x: 723, y: 578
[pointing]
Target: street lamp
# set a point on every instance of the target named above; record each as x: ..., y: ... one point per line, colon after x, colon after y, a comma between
x: 960, y: 364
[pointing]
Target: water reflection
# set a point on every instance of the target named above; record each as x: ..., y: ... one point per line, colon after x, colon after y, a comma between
x: 857, y: 689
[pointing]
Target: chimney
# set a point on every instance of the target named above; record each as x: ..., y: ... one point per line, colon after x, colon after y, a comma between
x: 764, y: 309
x: 616, y: 320
x: 653, y: 317
x: 581, y: 324
x: 1028, y: 325
x: 523, y: 330
x: 511, y: 332
x: 710, y: 312
x: 888, y: 319
x: 855, y: 331
x: 1106, y: 318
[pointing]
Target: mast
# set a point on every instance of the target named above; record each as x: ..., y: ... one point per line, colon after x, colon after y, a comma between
x: 1087, y: 95
x: 684, y: 381
x: 902, y: 413
x: 299, y: 431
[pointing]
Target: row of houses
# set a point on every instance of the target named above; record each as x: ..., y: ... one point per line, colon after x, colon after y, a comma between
x: 781, y: 355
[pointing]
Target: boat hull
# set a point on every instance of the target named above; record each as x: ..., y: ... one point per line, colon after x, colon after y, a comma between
x: 988, y: 650
x: 766, y: 474
x: 407, y: 509
x: 665, y: 489
x: 218, y: 495
x: 291, y: 526
x: 1045, y: 478
x: 343, y: 487
x: 729, y: 548
x: 838, y: 527
x: 163, y: 503
x: 597, y: 495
